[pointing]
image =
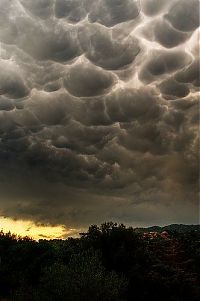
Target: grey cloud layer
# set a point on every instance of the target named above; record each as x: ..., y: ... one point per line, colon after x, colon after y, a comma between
x: 99, y: 110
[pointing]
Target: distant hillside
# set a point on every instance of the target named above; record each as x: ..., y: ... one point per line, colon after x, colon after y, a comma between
x: 179, y: 228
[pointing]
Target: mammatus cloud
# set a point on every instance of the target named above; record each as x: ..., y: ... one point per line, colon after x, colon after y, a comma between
x: 99, y: 111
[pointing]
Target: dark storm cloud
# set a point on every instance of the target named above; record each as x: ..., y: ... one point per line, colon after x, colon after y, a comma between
x: 103, y: 49
x: 112, y: 12
x: 99, y: 110
x: 167, y: 35
x: 126, y: 105
x: 162, y: 63
x: 171, y: 88
x: 84, y: 79
x: 191, y: 74
x: 39, y: 8
x: 184, y: 15
x: 11, y: 83
x: 72, y: 10
x: 153, y: 7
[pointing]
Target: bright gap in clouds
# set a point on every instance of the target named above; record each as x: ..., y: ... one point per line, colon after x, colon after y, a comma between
x: 28, y: 228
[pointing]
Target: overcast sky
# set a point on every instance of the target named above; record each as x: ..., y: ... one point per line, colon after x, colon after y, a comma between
x: 99, y: 111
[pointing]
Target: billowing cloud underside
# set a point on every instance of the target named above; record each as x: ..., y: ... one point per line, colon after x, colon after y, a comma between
x: 99, y: 110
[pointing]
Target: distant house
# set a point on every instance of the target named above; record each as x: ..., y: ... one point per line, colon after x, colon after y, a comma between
x: 165, y: 235
x: 154, y: 235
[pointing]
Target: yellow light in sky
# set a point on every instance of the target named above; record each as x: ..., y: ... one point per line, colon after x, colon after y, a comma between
x: 28, y: 228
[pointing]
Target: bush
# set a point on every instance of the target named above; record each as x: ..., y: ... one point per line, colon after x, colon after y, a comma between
x: 84, y: 278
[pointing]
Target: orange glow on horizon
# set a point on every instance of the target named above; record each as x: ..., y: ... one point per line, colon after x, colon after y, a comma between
x: 29, y: 228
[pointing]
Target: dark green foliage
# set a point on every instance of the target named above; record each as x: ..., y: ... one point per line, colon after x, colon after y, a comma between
x: 84, y: 278
x: 108, y: 263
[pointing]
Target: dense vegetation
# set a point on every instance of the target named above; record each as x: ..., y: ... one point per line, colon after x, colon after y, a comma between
x: 108, y: 263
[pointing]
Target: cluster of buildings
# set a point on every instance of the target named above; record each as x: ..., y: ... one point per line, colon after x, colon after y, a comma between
x: 154, y: 235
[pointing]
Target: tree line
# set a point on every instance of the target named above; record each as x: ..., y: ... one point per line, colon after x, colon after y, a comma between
x: 109, y: 262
